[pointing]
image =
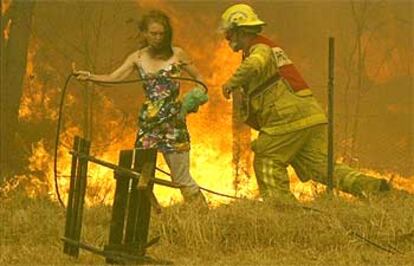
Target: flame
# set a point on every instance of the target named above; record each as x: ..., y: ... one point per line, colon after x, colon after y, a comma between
x: 36, y: 103
x: 38, y: 182
x: 211, y: 153
x: 36, y: 108
x: 385, y: 60
x: 211, y: 132
x: 397, y: 181
x: 210, y: 129
x: 5, y: 5
x: 6, y: 31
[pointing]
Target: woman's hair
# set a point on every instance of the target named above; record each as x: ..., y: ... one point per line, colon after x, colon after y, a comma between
x: 160, y: 17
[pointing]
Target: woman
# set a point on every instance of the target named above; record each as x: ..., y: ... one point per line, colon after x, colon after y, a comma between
x: 162, y: 117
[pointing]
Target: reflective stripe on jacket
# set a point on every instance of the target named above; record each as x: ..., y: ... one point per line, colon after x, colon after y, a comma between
x: 277, y: 109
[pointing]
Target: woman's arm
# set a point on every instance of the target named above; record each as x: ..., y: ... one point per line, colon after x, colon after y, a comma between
x: 188, y: 66
x: 119, y: 74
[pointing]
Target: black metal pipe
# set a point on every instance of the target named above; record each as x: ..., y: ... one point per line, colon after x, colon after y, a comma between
x: 124, y: 171
x: 331, y: 65
x: 70, y: 210
x: 82, y: 182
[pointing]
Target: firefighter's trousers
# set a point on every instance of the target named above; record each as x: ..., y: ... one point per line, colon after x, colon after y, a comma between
x: 306, y: 151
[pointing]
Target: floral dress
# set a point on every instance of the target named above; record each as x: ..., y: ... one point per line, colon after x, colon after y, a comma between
x: 159, y: 124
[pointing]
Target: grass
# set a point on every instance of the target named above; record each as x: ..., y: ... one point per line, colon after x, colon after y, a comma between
x: 242, y: 233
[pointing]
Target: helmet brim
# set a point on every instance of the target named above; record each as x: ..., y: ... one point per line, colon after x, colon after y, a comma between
x: 254, y: 23
x: 222, y: 29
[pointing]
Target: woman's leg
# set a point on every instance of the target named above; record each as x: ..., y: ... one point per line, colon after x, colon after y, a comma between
x: 179, y: 164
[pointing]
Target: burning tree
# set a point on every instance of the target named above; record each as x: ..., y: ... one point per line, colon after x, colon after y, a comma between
x: 98, y: 36
x: 16, y: 23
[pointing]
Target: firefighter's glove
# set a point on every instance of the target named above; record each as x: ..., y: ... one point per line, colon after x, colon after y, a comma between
x: 192, y: 101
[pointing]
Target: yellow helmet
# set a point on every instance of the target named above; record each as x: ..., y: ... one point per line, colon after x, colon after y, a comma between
x: 239, y: 15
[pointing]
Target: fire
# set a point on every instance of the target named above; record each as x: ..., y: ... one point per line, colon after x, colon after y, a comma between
x: 396, y: 180
x: 384, y: 58
x: 38, y: 181
x: 5, y: 5
x: 210, y: 129
x: 211, y: 132
x: 211, y: 152
x: 6, y: 31
x: 36, y: 108
x: 35, y: 103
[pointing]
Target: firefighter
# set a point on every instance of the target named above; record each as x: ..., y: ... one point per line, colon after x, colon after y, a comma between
x: 280, y: 105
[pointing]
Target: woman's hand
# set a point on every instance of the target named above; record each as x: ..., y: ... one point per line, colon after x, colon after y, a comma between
x: 81, y: 75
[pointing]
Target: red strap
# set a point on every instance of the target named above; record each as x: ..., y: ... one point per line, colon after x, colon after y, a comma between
x: 288, y: 72
x: 257, y: 40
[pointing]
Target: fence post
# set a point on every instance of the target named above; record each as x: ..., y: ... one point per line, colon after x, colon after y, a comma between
x: 132, y: 204
x: 331, y: 162
x: 76, y: 199
x: 136, y: 233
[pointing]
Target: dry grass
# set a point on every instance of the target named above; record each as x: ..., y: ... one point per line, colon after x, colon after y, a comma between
x: 242, y: 233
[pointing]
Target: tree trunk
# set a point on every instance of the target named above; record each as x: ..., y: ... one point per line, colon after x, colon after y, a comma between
x: 13, y: 69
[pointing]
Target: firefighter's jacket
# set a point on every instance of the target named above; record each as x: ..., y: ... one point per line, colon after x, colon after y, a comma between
x: 278, y: 101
